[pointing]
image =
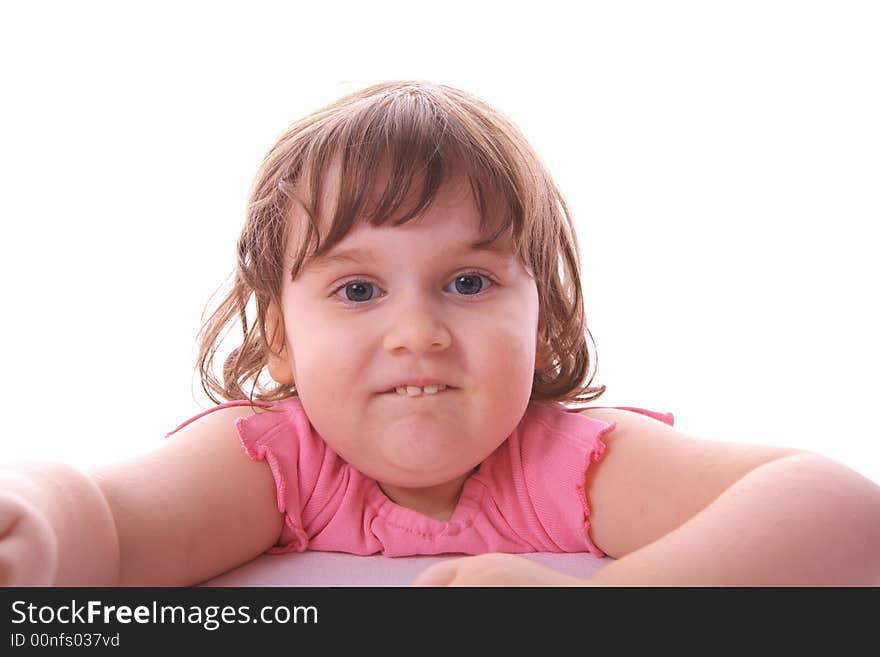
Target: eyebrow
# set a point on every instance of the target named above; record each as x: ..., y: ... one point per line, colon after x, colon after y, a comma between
x: 364, y: 255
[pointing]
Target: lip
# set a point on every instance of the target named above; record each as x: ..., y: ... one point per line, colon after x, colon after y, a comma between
x: 420, y: 382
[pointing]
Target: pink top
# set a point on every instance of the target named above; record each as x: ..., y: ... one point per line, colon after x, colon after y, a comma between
x: 527, y: 496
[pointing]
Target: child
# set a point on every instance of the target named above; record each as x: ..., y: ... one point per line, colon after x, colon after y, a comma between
x: 418, y: 312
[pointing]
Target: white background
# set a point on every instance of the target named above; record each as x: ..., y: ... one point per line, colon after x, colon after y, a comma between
x: 721, y: 161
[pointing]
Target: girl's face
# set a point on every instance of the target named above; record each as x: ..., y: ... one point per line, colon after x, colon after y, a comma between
x: 396, y: 304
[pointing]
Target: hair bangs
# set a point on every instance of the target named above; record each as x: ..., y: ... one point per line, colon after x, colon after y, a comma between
x: 391, y: 157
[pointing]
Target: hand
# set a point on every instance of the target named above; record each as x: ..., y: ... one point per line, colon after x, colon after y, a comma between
x: 28, y: 546
x: 494, y: 570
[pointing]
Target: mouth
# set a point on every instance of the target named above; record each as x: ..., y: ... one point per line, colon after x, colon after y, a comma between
x: 413, y: 392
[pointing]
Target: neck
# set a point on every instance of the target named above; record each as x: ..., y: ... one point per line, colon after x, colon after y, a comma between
x: 438, y: 502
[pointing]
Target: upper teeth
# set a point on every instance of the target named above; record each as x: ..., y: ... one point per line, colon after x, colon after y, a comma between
x: 413, y: 391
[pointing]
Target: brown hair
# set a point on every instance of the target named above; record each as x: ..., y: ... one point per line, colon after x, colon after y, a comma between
x: 424, y: 132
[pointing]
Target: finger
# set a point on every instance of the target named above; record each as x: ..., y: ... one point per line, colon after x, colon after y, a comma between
x: 440, y: 574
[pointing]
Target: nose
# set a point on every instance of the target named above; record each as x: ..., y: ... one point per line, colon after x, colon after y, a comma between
x: 416, y: 328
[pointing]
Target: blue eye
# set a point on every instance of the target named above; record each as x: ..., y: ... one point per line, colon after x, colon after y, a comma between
x: 357, y: 289
x: 469, y: 284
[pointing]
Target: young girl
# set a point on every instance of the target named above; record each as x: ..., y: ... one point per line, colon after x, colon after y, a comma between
x: 412, y: 380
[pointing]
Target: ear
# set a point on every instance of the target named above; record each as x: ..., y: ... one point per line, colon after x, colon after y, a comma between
x: 543, y: 352
x: 280, y: 364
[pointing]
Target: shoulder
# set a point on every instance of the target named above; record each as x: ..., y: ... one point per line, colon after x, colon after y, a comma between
x: 644, y: 433
x: 221, y: 439
x: 254, y: 424
x: 653, y: 478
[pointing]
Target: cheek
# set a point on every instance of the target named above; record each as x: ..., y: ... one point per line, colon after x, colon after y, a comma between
x: 316, y: 344
x: 503, y: 357
x: 509, y: 344
x: 324, y: 360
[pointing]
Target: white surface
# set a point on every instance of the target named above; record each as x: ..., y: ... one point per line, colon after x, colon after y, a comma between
x: 720, y: 160
x: 335, y: 569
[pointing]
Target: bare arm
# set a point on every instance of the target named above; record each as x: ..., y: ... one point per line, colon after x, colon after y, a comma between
x: 673, y: 509
x: 58, y: 528
x: 192, y: 509
x: 802, y: 520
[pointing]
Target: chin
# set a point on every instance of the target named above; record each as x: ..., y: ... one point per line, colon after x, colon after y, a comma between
x: 412, y: 477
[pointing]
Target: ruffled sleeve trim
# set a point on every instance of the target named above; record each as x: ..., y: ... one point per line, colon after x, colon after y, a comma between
x: 274, y: 437
x: 592, y: 456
